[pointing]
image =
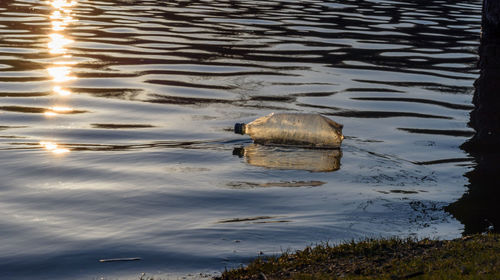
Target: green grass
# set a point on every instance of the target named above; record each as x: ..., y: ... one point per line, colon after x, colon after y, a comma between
x: 472, y: 257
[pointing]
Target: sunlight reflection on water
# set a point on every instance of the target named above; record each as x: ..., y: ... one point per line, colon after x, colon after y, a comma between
x: 54, y: 148
x: 151, y: 167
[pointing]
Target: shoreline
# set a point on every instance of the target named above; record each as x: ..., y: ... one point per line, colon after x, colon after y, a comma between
x: 470, y: 257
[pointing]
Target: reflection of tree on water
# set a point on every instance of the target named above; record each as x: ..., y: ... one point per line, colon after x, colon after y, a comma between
x: 479, y: 208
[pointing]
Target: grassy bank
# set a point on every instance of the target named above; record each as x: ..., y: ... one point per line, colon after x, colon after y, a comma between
x: 472, y: 257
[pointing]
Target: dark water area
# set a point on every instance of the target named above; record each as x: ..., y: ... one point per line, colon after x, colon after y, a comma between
x: 116, y: 134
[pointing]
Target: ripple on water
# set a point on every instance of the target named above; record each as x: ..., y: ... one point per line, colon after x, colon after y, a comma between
x: 116, y: 129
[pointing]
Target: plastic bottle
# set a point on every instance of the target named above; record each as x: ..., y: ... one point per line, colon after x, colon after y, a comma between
x: 293, y: 129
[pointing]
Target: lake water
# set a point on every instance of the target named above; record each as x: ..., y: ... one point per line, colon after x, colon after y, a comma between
x: 116, y: 134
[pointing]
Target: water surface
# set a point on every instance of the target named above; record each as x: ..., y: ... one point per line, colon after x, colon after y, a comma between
x: 116, y: 129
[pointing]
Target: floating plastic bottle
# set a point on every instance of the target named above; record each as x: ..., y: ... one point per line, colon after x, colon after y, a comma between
x: 293, y: 129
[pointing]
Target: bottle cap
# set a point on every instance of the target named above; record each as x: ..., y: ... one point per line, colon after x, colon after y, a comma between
x: 239, y: 128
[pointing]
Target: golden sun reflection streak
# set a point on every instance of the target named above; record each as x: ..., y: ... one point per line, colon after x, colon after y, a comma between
x: 53, y: 148
x: 58, y: 43
x: 50, y: 114
x: 60, y: 71
x: 56, y: 110
x: 61, y: 109
x: 60, y: 20
x: 61, y: 92
x: 61, y: 4
x: 61, y: 74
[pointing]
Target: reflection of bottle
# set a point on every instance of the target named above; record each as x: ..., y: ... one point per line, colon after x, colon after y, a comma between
x: 315, y: 160
x: 312, y: 130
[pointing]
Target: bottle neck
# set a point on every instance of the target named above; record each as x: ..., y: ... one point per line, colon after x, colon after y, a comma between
x: 240, y: 128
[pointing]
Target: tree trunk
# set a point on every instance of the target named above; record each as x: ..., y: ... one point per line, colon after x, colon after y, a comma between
x: 485, y: 118
x: 479, y: 208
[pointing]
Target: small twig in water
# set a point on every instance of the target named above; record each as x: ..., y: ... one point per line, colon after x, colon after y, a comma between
x: 120, y: 260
